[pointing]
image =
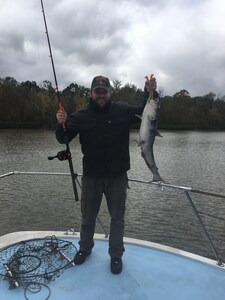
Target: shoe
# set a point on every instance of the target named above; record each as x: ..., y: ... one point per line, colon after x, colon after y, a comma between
x: 80, y: 257
x: 116, y: 265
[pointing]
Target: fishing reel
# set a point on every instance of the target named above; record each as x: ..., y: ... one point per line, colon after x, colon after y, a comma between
x: 61, y: 155
x: 66, y: 155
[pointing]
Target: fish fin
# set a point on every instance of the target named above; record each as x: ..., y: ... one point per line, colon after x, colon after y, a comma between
x: 158, y: 180
x: 140, y: 117
x: 158, y: 134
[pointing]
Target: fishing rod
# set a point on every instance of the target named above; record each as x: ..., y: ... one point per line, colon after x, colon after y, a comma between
x: 66, y: 154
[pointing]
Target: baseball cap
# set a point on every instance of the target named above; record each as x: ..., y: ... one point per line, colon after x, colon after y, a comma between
x: 100, y: 82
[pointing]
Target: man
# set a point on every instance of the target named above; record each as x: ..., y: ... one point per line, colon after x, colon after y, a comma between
x: 103, y: 128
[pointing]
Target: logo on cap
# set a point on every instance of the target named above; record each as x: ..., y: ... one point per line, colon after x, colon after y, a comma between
x: 100, y: 82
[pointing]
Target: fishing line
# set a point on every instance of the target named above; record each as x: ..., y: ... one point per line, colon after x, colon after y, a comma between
x: 67, y: 151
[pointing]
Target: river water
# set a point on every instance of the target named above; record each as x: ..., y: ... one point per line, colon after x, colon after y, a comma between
x: 188, y: 158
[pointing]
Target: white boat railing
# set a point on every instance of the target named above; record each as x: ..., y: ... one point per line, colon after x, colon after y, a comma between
x: 162, y: 185
x: 158, y: 183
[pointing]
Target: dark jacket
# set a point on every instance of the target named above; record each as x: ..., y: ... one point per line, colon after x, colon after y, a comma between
x: 104, y: 137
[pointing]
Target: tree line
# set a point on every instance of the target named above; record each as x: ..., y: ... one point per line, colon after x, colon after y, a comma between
x: 29, y: 105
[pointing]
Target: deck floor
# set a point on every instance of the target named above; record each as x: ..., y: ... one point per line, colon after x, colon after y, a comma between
x: 147, y: 274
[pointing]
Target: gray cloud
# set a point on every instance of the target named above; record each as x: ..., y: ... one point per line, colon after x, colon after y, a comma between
x: 181, y: 41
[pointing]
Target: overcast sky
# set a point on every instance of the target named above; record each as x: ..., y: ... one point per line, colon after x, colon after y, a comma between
x: 181, y: 41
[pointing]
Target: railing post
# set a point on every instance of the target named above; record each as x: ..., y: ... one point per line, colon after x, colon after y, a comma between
x: 219, y: 261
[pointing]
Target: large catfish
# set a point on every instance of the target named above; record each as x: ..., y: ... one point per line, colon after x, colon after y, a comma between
x: 148, y: 129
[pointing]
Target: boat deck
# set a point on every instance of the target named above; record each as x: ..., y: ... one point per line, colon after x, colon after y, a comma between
x: 149, y: 271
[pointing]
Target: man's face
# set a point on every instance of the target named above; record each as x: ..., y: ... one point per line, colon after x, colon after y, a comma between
x: 100, y: 96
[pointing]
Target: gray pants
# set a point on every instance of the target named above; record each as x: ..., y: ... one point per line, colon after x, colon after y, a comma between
x: 115, y: 191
